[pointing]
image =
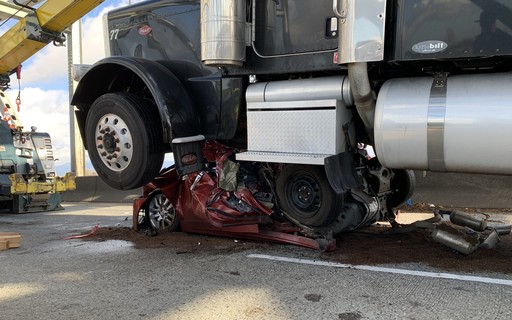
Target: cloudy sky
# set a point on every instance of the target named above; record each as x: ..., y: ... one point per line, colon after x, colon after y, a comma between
x: 44, y: 83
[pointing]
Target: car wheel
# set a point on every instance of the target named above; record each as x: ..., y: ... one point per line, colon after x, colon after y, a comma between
x: 160, y: 213
x: 305, y: 195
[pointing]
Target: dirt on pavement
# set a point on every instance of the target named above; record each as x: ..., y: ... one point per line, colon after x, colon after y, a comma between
x: 369, y: 246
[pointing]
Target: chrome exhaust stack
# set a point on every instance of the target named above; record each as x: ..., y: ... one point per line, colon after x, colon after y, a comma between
x: 363, y: 95
x: 223, y: 32
x: 361, y: 40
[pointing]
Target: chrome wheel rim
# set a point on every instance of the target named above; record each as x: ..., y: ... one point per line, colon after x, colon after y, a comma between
x: 161, y: 213
x: 114, y: 142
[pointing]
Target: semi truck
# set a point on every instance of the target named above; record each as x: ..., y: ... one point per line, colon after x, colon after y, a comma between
x: 318, y: 110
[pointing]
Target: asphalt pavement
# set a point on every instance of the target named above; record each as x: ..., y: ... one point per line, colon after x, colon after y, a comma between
x: 52, y: 278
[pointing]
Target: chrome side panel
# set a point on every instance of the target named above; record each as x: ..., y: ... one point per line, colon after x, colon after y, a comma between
x: 362, y: 30
x: 297, y: 121
x: 312, y: 130
x: 471, y: 127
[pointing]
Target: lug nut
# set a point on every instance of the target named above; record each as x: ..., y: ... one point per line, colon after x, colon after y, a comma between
x: 117, y: 140
x: 102, y: 131
x: 103, y: 153
x: 100, y: 146
x: 117, y: 149
x: 99, y: 138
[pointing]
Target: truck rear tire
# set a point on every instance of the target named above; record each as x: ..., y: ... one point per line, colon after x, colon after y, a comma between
x: 124, y: 140
x: 305, y: 195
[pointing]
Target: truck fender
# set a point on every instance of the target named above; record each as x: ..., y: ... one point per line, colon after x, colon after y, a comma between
x: 118, y: 74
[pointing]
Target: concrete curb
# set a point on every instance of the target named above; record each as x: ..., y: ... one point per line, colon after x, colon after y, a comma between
x: 442, y: 189
x: 93, y: 189
x: 463, y: 190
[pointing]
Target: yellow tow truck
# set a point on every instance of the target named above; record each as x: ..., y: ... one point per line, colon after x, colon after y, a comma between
x: 28, y: 180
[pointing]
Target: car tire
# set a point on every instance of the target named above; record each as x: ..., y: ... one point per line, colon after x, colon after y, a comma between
x: 305, y: 195
x: 160, y: 214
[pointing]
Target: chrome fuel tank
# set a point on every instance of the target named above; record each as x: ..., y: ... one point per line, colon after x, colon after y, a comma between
x: 454, y: 124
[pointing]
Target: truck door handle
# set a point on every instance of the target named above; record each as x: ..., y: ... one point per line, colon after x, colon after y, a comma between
x: 343, y: 13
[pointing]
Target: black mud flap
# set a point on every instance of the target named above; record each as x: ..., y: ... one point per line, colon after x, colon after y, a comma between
x: 341, y: 172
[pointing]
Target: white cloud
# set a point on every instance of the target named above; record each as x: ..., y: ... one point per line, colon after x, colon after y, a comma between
x: 46, y: 67
x: 93, y: 37
x: 48, y: 110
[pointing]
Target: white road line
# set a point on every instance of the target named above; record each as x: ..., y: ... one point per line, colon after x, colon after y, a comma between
x: 386, y: 270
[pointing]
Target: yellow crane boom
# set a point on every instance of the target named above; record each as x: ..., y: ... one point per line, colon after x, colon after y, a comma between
x: 37, y: 28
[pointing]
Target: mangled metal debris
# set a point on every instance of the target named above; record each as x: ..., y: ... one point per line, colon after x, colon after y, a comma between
x: 461, y: 232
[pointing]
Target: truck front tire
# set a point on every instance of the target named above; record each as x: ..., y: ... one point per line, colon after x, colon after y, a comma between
x: 124, y: 140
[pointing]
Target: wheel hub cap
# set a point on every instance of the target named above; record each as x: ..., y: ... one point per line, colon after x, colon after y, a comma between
x: 161, y: 212
x: 114, y: 142
x: 305, y: 194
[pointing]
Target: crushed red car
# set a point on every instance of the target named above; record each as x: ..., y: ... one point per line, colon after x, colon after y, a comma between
x: 225, y: 199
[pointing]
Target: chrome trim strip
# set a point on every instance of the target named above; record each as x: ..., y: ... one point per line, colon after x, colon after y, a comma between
x: 436, y: 123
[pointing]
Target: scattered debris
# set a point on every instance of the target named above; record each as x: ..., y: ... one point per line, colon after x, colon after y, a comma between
x: 475, y: 233
x: 96, y: 227
x: 368, y: 246
x: 9, y: 240
x: 463, y: 232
